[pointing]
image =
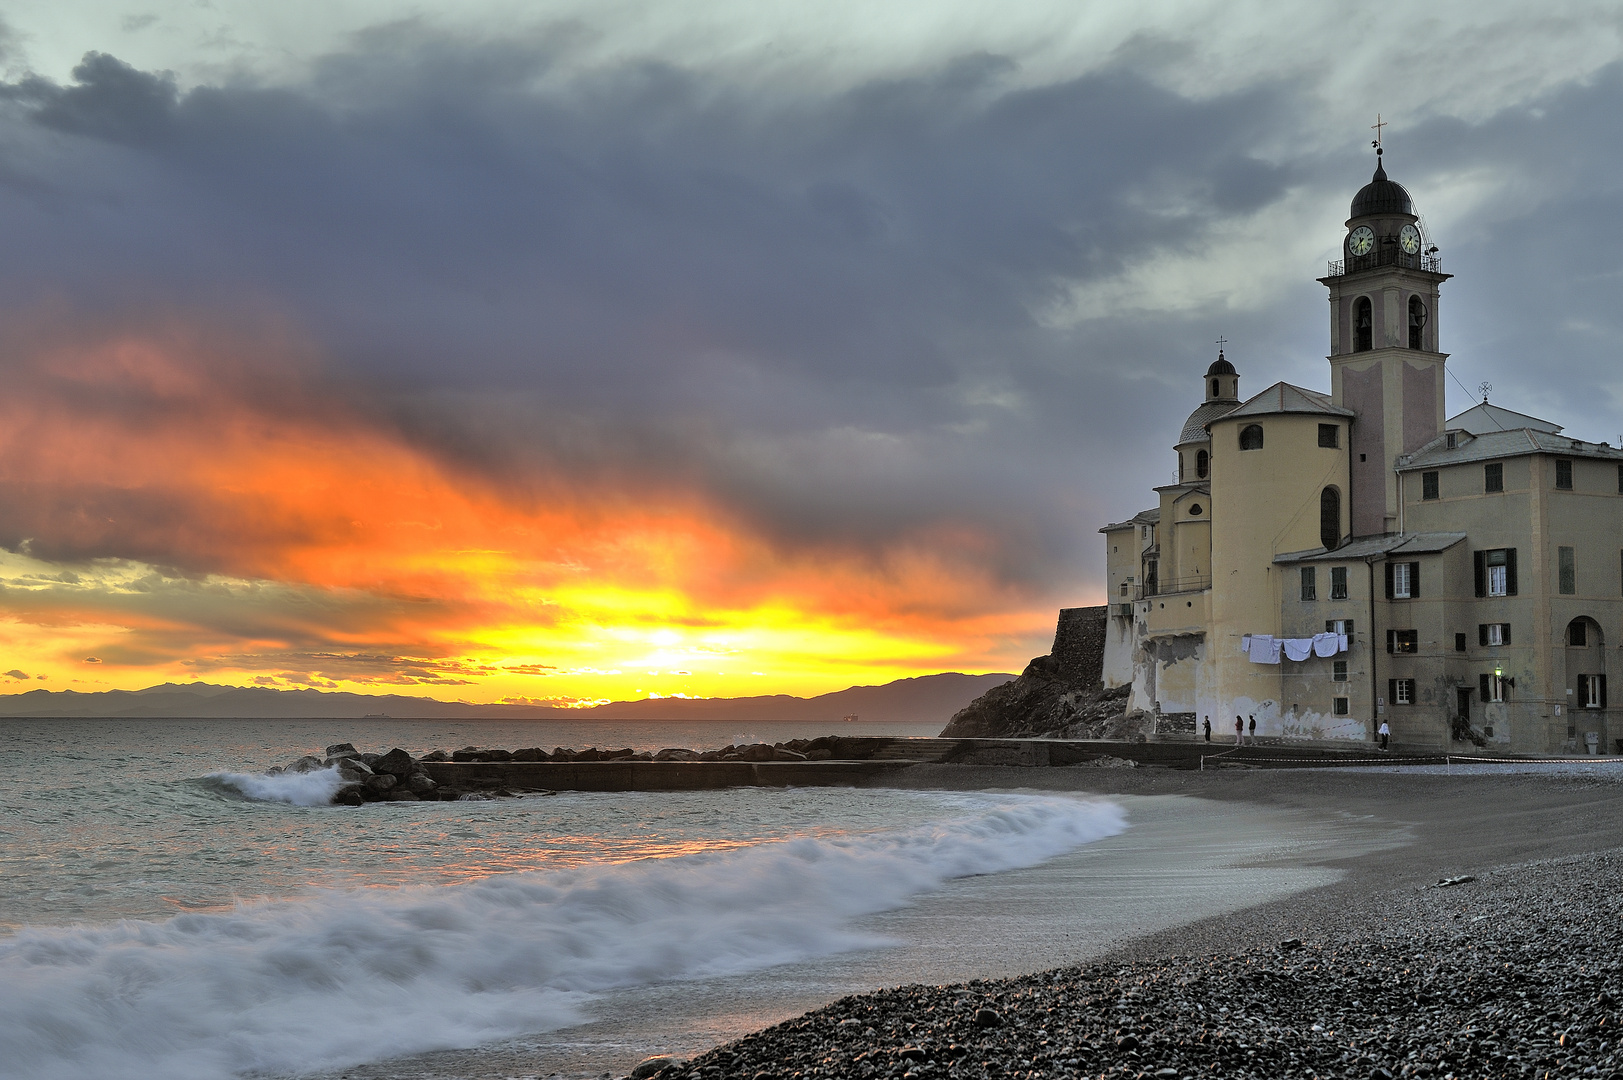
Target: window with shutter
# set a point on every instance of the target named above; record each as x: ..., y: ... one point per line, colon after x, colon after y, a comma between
x: 1493, y: 477
x: 1563, y: 474
x: 1338, y: 583
x: 1495, y: 572
x: 1428, y: 485
x: 1310, y: 583
x: 1459, y: 642
x: 1338, y: 671
x: 1567, y: 571
x: 1403, y: 641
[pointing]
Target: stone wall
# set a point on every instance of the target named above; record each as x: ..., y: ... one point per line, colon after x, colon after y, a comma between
x: 1079, y: 646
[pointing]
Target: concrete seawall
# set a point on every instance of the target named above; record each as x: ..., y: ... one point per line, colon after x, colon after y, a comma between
x: 864, y: 761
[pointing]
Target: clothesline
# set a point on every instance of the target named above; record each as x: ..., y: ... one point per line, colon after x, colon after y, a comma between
x: 1266, y: 649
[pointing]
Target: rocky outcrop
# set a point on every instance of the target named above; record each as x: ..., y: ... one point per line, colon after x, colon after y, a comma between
x: 1060, y: 695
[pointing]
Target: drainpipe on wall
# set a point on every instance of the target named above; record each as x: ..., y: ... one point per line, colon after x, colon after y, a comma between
x: 1399, y: 476
x: 1374, y: 683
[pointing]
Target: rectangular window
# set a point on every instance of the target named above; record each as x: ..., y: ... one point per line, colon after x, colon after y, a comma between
x: 1338, y: 626
x: 1577, y: 633
x: 1126, y: 587
x: 1592, y: 691
x: 1493, y: 633
x: 1341, y: 706
x: 1452, y: 439
x: 1310, y: 583
x: 1493, y: 477
x: 1566, y: 571
x: 1402, y: 580
x: 1428, y: 485
x: 1459, y: 642
x: 1495, y: 572
x: 1338, y: 583
x: 1563, y: 474
x: 1338, y: 671
x: 1403, y: 641
x: 1400, y: 691
x: 1492, y: 687
x: 1329, y: 435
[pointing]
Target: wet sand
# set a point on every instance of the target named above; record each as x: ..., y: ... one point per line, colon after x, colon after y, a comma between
x: 1214, y: 863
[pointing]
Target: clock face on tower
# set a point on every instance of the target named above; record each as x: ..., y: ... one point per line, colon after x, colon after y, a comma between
x: 1361, y: 241
x: 1409, y: 237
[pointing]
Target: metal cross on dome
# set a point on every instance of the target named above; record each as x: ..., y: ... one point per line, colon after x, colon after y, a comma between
x: 1221, y: 341
x: 1377, y: 126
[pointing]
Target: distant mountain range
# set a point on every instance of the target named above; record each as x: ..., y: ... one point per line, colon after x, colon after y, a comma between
x: 925, y: 699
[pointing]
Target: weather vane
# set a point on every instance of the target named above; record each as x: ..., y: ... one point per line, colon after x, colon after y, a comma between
x: 1376, y: 127
x: 1485, y: 389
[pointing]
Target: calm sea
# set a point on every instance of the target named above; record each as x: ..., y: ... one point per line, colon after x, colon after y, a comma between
x: 166, y: 909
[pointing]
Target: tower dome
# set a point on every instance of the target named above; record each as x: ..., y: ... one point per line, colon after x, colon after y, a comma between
x: 1220, y: 366
x: 1381, y: 196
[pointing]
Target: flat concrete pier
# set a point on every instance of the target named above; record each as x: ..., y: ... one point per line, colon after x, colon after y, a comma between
x: 657, y: 775
x: 874, y: 760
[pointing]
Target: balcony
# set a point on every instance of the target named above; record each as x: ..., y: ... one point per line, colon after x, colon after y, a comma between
x: 1171, y: 586
x: 1386, y: 255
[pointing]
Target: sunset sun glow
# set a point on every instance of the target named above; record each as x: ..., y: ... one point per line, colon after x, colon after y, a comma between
x: 180, y: 515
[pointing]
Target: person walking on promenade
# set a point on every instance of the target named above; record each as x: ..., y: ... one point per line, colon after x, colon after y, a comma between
x: 1239, y: 733
x: 1253, y: 731
x: 1385, y: 733
x: 1208, y: 729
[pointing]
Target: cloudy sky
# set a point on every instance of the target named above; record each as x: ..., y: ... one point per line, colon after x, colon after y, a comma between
x: 560, y: 351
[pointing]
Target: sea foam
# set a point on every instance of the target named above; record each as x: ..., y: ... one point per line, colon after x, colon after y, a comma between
x: 335, y: 978
x: 315, y: 788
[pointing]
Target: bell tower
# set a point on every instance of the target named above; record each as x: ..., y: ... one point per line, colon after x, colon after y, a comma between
x: 1385, y: 363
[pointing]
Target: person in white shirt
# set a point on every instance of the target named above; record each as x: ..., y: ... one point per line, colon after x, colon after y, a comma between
x: 1385, y: 734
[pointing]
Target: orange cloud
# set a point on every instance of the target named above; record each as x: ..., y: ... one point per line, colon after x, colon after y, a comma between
x: 177, y: 507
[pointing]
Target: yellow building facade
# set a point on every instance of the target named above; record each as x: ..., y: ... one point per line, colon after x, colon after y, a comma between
x: 1329, y: 562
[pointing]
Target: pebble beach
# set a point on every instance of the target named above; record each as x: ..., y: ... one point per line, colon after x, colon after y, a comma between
x: 1486, y: 947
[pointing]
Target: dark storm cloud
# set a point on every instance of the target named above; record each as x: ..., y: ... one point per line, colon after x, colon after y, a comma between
x: 827, y: 310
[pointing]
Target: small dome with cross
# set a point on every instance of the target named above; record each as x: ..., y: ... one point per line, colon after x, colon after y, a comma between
x: 1381, y: 196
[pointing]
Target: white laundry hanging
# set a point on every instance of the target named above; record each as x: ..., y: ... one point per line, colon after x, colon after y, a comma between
x: 1297, y: 649
x: 1264, y: 649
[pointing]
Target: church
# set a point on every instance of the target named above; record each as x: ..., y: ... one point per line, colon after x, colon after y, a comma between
x: 1329, y: 561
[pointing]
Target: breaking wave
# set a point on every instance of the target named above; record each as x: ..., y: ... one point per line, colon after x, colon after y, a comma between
x: 300, y: 789
x: 336, y: 978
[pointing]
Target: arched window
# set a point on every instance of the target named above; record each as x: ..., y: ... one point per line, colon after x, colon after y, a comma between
x: 1330, y: 518
x: 1251, y: 437
x: 1180, y: 467
x: 1214, y: 388
x: 1417, y: 322
x: 1363, y: 325
x: 1203, y: 464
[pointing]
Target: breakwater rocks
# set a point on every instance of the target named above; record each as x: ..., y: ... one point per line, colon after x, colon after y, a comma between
x: 1512, y: 975
x: 392, y: 777
x: 396, y: 776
